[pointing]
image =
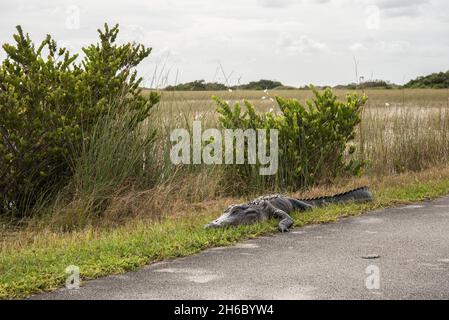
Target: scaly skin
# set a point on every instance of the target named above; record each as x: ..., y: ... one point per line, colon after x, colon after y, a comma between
x: 279, y: 206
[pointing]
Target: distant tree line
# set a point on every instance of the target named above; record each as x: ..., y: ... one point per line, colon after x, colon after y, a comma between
x: 370, y: 84
x: 201, y: 85
x: 197, y: 85
x: 435, y: 80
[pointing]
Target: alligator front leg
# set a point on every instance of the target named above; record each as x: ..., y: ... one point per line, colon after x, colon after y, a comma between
x: 286, y: 221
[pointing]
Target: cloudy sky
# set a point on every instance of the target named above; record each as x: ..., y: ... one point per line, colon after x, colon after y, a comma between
x: 294, y: 41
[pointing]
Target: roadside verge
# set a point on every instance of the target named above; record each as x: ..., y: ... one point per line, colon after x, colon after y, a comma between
x: 39, y: 265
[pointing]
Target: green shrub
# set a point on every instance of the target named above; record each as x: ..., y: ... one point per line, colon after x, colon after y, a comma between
x: 197, y: 85
x: 260, y: 85
x: 313, y: 139
x: 438, y: 80
x: 49, y: 103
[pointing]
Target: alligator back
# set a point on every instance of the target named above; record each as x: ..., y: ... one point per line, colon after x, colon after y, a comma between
x: 362, y: 194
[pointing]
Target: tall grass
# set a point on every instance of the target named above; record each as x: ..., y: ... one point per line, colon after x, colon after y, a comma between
x: 398, y: 138
x: 123, y: 169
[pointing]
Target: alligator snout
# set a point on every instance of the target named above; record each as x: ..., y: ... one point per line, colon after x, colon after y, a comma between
x: 211, y: 225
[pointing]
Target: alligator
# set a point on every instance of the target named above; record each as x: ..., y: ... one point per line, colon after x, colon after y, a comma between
x: 279, y: 206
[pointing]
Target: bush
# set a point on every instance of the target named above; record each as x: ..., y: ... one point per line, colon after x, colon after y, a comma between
x: 49, y: 104
x: 197, y: 85
x: 438, y: 80
x: 260, y: 85
x: 313, y: 139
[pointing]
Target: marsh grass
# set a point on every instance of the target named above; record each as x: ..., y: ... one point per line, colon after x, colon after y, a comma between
x: 399, y: 139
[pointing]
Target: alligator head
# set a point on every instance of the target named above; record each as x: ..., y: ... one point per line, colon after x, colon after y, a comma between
x: 236, y: 215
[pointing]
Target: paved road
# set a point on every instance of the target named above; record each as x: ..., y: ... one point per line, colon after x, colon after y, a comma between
x: 408, y: 247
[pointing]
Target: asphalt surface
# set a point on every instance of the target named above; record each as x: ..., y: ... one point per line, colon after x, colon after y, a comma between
x: 397, y: 253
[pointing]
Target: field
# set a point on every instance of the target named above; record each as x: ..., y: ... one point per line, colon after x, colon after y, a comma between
x: 401, y: 130
x: 403, y: 136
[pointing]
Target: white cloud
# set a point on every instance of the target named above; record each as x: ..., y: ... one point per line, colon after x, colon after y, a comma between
x: 394, y: 4
x: 275, y: 3
x: 395, y: 47
x: 358, y: 47
x: 401, y: 8
x: 291, y: 45
x: 384, y: 47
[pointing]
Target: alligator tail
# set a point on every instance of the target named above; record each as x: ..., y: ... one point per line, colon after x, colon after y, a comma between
x: 362, y: 194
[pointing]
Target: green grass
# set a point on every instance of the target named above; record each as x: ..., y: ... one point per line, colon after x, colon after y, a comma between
x: 39, y: 266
